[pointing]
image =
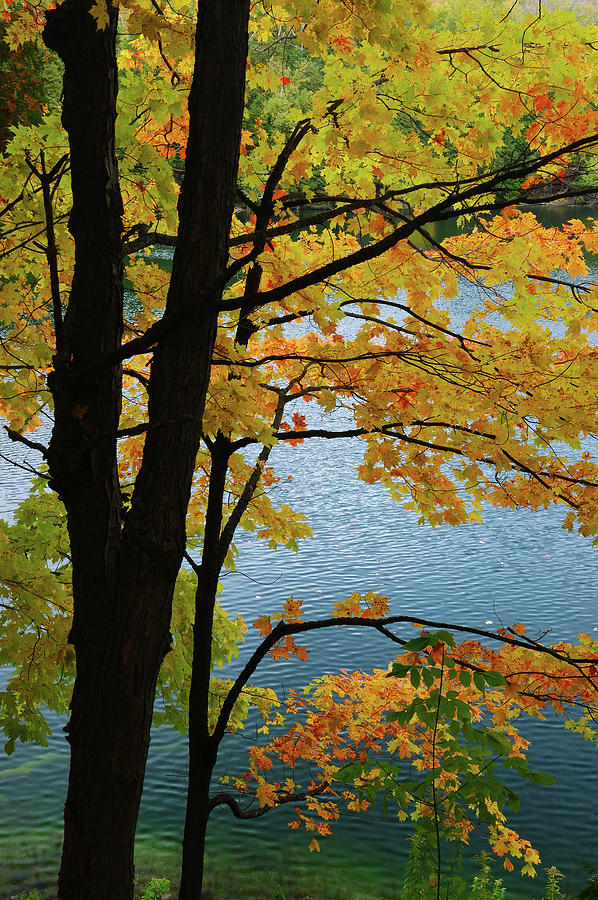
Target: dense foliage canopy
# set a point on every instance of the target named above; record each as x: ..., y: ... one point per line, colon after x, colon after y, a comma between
x: 310, y: 295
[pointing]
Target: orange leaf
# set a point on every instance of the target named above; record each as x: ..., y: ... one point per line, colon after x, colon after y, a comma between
x: 263, y: 625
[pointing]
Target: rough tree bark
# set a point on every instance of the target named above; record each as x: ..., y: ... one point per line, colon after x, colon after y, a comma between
x: 125, y: 565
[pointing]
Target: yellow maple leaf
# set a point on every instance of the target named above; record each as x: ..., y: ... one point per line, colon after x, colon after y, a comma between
x: 266, y: 794
x: 99, y: 11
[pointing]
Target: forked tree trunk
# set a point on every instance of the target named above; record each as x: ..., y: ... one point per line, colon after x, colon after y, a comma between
x: 82, y: 460
x: 124, y: 570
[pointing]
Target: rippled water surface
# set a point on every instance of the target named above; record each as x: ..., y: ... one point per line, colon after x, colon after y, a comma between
x: 516, y: 566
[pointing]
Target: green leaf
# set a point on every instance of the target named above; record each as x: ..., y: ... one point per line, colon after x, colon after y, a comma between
x: 515, y: 762
x: 522, y: 769
x: 456, y: 763
x: 429, y: 639
x: 417, y: 643
x: 479, y: 681
x: 498, y: 741
x: 421, y: 789
x: 540, y: 778
x: 428, y: 677
x: 480, y: 737
x: 514, y: 799
x: 398, y: 671
x: 494, y: 679
x: 349, y: 773
x: 463, y: 710
x: 469, y: 733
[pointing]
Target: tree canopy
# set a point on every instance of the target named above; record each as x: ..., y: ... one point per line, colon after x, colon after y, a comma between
x: 236, y: 247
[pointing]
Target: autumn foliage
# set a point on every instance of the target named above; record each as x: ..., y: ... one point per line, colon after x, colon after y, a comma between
x: 427, y: 733
x: 335, y: 315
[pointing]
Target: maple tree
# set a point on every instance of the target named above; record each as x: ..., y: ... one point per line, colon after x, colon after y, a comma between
x: 19, y: 100
x: 306, y: 276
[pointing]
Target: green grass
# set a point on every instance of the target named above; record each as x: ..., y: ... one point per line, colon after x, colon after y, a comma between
x: 33, y: 861
x: 222, y: 882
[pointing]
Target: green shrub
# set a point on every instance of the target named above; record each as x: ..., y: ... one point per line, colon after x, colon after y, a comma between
x: 553, y: 889
x: 155, y: 888
x: 590, y: 891
x: 484, y: 886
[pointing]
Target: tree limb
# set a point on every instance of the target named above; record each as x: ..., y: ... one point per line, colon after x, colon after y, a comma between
x: 224, y: 798
x: 20, y: 438
x: 283, y: 629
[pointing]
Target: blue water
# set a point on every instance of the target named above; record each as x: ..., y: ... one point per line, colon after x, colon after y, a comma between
x: 516, y: 566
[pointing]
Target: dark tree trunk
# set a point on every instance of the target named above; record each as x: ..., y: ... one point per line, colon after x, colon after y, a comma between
x: 203, y: 746
x: 124, y: 570
x: 97, y: 853
x: 196, y: 820
x: 203, y: 749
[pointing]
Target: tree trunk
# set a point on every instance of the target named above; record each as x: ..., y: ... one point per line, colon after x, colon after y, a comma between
x: 83, y: 465
x: 203, y: 749
x: 203, y: 746
x: 124, y: 570
x: 196, y: 819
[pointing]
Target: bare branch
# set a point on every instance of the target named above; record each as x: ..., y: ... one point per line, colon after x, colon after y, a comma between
x: 20, y: 438
x: 228, y: 531
x: 146, y: 238
x: 195, y: 566
x: 31, y: 470
x: 134, y: 430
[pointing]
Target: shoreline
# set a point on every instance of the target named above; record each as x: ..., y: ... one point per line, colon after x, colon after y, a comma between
x: 228, y: 878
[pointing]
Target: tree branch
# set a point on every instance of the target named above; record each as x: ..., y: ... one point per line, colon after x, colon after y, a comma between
x: 33, y: 445
x: 442, y: 211
x: 284, y: 629
x: 224, y: 798
x: 51, y: 250
x: 387, y: 430
x: 316, y: 360
x: 250, y: 486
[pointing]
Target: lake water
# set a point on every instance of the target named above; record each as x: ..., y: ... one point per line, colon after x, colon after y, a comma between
x: 515, y: 566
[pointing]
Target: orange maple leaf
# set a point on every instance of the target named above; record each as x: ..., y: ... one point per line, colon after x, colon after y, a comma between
x: 292, y: 608
x: 263, y: 625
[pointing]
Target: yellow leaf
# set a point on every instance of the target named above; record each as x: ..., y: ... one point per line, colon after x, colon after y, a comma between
x: 99, y: 10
